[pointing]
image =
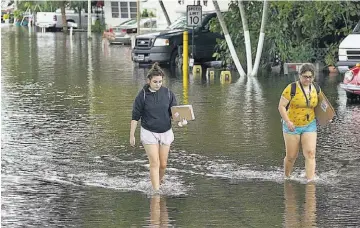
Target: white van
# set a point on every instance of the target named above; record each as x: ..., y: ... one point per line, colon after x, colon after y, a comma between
x: 349, y: 50
x: 54, y: 19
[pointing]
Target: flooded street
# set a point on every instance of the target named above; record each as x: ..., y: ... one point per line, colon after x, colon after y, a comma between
x: 66, y: 161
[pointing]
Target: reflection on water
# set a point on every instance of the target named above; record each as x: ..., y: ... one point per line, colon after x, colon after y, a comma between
x: 297, y: 215
x: 66, y: 108
x: 159, y: 216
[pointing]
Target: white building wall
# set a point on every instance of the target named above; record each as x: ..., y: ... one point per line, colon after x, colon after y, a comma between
x: 109, y: 20
x: 174, y: 10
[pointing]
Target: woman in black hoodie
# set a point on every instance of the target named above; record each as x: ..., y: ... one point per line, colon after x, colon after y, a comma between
x: 152, y: 105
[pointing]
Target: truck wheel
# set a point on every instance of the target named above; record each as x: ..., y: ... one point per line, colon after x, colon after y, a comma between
x: 174, y: 59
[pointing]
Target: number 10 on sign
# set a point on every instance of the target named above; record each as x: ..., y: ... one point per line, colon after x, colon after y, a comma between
x: 194, y: 16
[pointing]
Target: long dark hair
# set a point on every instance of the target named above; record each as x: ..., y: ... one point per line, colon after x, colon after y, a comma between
x: 155, y: 70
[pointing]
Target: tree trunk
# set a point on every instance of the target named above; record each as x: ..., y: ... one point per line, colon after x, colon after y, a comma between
x: 165, y: 12
x: 63, y: 17
x: 228, y: 39
x: 89, y: 20
x: 246, y: 36
x: 261, y: 39
x: 79, y: 25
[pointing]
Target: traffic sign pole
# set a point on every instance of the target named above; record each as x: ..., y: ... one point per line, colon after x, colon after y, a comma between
x: 193, y: 19
x: 192, y: 43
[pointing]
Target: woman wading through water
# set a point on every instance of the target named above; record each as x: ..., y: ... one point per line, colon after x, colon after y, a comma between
x: 153, y: 106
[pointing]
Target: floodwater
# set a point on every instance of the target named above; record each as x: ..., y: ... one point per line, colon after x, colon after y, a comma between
x: 66, y: 162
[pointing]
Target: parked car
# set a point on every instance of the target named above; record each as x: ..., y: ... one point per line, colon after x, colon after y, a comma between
x: 349, y: 50
x: 164, y: 46
x: 351, y: 83
x: 123, y: 32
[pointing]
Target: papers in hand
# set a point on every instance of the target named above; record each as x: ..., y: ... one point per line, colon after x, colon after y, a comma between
x: 181, y: 112
x: 324, y: 112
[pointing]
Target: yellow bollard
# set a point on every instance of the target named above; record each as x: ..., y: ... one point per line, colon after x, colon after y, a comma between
x: 210, y: 74
x: 185, y: 56
x: 185, y: 93
x: 225, y: 77
x: 197, y: 70
x: 185, y: 67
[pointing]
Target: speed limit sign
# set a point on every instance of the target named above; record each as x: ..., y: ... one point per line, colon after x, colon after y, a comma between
x: 193, y: 16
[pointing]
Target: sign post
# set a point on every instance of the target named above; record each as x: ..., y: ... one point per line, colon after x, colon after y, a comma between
x: 193, y: 19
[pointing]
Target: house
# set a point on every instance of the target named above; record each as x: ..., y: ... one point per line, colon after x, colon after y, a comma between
x: 116, y: 12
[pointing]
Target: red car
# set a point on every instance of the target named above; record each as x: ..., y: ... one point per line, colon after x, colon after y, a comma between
x: 351, y: 83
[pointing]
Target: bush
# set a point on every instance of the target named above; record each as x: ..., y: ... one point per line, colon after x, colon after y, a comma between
x: 18, y: 14
x: 98, y: 27
x: 145, y: 13
x: 295, y: 30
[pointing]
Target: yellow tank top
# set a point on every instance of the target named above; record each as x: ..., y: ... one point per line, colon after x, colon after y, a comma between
x: 298, y: 108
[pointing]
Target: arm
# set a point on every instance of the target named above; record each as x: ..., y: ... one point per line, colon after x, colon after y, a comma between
x: 138, y: 108
x: 173, y: 102
x: 133, y: 125
x: 282, y: 109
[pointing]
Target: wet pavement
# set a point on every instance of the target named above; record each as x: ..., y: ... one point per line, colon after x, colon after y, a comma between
x: 66, y: 162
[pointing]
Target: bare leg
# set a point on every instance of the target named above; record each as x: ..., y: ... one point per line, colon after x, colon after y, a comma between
x: 292, y: 149
x: 153, y: 154
x: 164, y: 154
x: 308, y: 142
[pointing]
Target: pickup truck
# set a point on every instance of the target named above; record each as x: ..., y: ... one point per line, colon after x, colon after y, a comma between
x: 164, y: 46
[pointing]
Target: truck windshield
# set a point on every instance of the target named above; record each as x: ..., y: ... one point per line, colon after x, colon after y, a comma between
x: 180, y: 23
x: 357, y: 28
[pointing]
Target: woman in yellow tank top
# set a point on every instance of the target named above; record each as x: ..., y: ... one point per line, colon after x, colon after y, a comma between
x: 299, y: 123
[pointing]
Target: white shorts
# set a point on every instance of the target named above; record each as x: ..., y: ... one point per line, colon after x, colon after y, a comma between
x: 149, y: 137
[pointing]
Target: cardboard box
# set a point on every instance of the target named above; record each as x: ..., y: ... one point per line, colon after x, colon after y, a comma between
x: 181, y: 112
x: 324, y: 111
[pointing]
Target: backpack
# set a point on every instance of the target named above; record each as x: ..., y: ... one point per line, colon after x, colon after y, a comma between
x: 293, y: 92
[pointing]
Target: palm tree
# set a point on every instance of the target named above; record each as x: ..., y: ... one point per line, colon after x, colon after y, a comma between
x: 261, y: 39
x: 228, y: 39
x: 165, y: 12
x: 246, y: 36
x: 63, y: 15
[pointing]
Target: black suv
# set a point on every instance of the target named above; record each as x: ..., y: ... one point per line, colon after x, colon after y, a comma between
x: 164, y: 46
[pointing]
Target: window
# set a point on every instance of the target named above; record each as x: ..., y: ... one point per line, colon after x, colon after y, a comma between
x: 133, y: 9
x: 124, y: 9
x: 115, y: 9
x: 357, y: 28
x: 180, y: 23
x: 148, y: 23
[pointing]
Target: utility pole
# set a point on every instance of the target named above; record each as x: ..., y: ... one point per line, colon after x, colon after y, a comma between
x: 138, y: 16
x: 89, y: 20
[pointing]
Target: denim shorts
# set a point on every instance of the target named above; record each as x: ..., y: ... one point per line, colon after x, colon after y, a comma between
x: 311, y: 127
x: 148, y: 137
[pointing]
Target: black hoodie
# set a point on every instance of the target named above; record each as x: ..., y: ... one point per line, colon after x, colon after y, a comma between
x: 154, y: 109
